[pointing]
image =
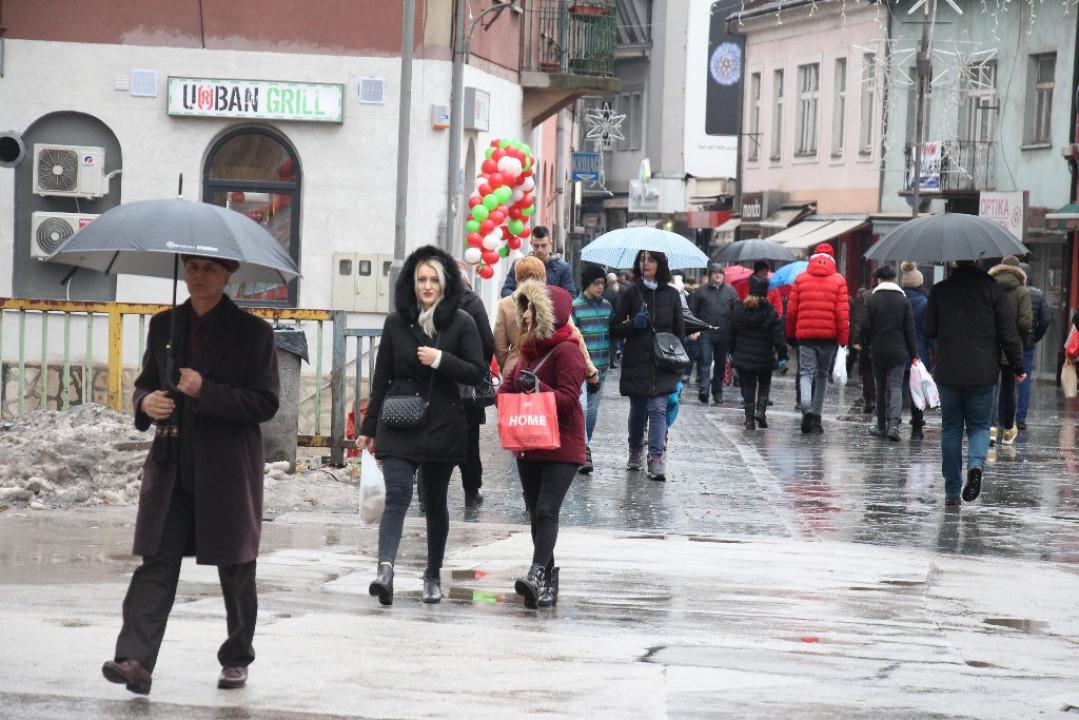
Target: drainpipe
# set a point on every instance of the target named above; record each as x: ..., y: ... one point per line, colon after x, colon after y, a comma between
x: 560, y: 179
x: 453, y: 190
x: 404, y: 116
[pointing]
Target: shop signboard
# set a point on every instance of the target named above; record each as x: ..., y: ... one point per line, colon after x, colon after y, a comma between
x: 256, y: 99
x: 1006, y: 209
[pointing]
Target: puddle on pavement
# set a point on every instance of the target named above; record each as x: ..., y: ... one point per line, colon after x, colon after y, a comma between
x: 1022, y: 625
x: 724, y: 541
x: 980, y: 664
x: 476, y: 597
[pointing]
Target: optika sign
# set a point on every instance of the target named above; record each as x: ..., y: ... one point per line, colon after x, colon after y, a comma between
x: 263, y: 99
x: 526, y: 420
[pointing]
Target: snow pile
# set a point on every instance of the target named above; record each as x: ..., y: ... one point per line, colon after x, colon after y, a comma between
x: 85, y: 455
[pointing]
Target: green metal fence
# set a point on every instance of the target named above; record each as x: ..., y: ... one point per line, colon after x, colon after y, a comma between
x: 569, y: 36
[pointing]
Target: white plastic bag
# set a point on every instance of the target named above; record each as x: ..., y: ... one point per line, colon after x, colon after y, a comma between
x: 839, y: 367
x: 372, y: 490
x: 1068, y: 379
x: 923, y: 388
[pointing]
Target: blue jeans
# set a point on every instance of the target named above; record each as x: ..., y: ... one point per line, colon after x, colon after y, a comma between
x: 653, y: 411
x: 592, y: 409
x: 969, y: 406
x: 815, y: 358
x: 712, y: 348
x: 1024, y: 389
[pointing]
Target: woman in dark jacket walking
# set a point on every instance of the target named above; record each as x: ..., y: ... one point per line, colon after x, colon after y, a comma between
x: 756, y: 341
x: 428, y: 346
x: 550, y: 361
x: 649, y: 305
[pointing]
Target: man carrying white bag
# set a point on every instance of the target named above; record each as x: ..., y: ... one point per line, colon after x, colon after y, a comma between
x: 923, y: 389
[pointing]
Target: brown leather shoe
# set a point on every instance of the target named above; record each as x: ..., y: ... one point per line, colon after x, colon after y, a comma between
x: 232, y: 677
x: 130, y: 673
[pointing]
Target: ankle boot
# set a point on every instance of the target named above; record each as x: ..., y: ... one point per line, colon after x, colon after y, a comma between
x: 530, y: 586
x: 751, y: 423
x: 382, y: 585
x: 432, y: 588
x: 762, y: 406
x: 549, y: 596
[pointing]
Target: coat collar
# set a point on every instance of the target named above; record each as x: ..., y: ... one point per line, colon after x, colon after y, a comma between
x: 888, y: 286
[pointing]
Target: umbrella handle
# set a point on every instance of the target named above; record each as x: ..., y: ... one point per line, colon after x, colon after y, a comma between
x: 170, y: 368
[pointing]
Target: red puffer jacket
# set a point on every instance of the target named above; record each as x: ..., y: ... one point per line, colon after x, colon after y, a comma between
x: 819, y: 308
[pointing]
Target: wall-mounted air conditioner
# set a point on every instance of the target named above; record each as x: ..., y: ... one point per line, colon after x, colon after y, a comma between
x: 48, y: 231
x: 70, y: 171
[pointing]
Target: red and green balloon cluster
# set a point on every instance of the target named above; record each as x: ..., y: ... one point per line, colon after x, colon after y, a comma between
x: 501, y: 205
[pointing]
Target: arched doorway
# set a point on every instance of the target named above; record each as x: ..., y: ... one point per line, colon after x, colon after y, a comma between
x: 254, y: 170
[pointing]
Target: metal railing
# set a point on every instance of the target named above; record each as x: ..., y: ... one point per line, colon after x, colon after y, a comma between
x: 577, y: 37
x: 965, y: 166
x: 339, y: 382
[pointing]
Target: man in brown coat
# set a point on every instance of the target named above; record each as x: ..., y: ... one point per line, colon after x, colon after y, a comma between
x: 202, y: 482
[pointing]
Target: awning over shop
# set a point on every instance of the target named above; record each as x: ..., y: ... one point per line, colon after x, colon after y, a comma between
x: 707, y: 219
x: 828, y: 230
x: 781, y: 219
x: 1065, y: 219
x: 729, y: 226
x: 795, y: 232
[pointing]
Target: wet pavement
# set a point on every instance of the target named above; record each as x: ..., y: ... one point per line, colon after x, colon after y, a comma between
x: 773, y: 574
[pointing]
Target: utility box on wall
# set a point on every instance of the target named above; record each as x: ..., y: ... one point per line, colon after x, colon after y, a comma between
x: 361, y: 282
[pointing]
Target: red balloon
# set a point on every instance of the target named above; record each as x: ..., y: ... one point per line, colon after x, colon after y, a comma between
x: 490, y: 256
x: 486, y: 227
x: 498, y: 155
x: 474, y: 201
x: 496, y: 142
x: 506, y: 234
x: 526, y: 200
x: 497, y: 217
x: 514, y: 243
x: 527, y: 173
x: 496, y: 180
x: 520, y: 180
x: 475, y: 240
x: 502, y: 209
x: 515, y: 213
x: 490, y: 166
x: 485, y: 271
x: 485, y: 189
x: 526, y: 232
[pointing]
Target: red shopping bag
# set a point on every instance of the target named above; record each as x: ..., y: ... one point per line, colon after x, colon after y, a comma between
x: 1071, y: 347
x: 528, y: 421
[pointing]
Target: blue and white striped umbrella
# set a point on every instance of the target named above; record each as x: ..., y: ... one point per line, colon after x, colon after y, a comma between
x: 619, y: 248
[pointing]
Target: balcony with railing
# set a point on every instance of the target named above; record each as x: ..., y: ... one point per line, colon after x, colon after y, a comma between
x: 954, y: 167
x: 567, y: 52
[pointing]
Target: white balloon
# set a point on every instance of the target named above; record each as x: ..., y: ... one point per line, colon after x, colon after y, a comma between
x: 473, y: 255
x: 510, y: 167
x: 518, y: 193
x: 480, y: 182
x: 475, y: 194
x: 529, y: 184
x: 493, y: 241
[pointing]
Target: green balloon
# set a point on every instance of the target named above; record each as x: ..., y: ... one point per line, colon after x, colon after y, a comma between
x: 472, y: 226
x: 490, y: 202
x: 504, y: 143
x: 528, y: 163
x: 527, y: 212
x: 504, y: 251
x: 525, y: 149
x: 503, y: 193
x: 480, y: 213
x: 516, y: 226
x: 489, y: 152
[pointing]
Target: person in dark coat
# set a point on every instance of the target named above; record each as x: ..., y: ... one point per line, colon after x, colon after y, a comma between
x: 913, y: 284
x: 559, y: 272
x: 429, y: 345
x: 550, y: 354
x: 713, y: 303
x: 972, y: 323
x: 201, y: 489
x: 860, y: 354
x: 1043, y: 318
x: 649, y: 305
x: 756, y: 341
x: 613, y: 295
x: 1014, y: 282
x: 888, y: 332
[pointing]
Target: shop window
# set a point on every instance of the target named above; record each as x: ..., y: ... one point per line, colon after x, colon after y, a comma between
x: 255, y: 171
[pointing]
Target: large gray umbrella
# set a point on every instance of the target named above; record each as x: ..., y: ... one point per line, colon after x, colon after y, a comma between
x: 943, y: 238
x: 753, y: 250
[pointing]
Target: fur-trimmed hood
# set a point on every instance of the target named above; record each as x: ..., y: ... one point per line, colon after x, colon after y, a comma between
x: 553, y: 307
x: 888, y: 286
x: 404, y: 293
x: 1009, y: 276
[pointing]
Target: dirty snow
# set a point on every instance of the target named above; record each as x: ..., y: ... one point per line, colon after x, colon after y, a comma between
x: 90, y: 455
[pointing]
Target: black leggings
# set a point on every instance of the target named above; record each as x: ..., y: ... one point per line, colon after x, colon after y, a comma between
x: 754, y: 382
x: 545, y: 485
x: 436, y: 479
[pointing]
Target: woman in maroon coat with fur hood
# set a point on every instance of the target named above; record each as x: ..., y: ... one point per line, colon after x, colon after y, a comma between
x: 551, y: 354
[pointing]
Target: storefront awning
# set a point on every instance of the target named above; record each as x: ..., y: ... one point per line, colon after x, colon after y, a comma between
x: 828, y: 230
x: 781, y: 219
x: 795, y: 232
x: 1064, y: 220
x: 730, y: 226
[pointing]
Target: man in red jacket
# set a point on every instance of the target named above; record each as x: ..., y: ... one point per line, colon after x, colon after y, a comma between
x: 818, y: 319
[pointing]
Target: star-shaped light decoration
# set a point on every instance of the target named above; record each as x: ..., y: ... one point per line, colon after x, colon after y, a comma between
x: 604, y: 126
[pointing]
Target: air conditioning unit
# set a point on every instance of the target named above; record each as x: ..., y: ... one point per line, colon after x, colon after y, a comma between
x: 49, y: 230
x: 70, y: 171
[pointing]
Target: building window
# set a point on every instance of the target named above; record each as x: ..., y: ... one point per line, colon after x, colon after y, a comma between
x: 255, y: 171
x: 776, y: 152
x: 981, y: 106
x: 1041, y: 105
x: 754, y: 136
x: 839, y: 107
x: 631, y: 104
x: 808, y: 99
x: 869, y: 101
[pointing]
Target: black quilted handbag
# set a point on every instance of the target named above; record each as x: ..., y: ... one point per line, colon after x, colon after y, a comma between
x: 404, y: 412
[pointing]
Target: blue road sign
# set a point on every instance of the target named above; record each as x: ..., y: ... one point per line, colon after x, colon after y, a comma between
x: 587, y: 167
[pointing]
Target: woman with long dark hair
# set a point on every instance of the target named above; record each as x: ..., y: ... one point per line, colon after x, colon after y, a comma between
x: 414, y: 416
x: 648, y: 306
x: 756, y: 343
x: 550, y: 361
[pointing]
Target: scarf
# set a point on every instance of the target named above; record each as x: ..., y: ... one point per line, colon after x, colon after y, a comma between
x: 537, y: 348
x: 650, y: 284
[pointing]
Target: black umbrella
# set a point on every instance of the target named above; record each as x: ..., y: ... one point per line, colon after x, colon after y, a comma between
x: 936, y: 239
x: 754, y: 249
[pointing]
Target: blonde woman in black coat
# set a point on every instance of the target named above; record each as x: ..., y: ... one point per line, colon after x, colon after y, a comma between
x: 428, y: 346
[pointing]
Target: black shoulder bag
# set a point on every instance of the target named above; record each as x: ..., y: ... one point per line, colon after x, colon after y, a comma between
x: 406, y: 411
x: 667, y: 348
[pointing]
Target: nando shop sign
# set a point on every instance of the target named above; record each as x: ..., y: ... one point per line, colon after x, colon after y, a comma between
x: 256, y: 99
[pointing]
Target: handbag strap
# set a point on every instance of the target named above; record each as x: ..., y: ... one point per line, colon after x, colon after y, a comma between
x: 538, y: 366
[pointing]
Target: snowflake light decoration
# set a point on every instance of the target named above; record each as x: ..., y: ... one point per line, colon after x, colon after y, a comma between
x: 604, y: 126
x: 726, y: 64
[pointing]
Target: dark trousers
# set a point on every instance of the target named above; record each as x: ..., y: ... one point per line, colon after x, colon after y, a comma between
x: 754, y: 385
x: 545, y: 485
x: 398, y: 474
x: 472, y: 467
x: 712, y: 350
x: 153, y: 590
x: 889, y: 382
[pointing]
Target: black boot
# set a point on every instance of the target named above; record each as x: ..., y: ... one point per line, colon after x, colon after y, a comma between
x: 549, y: 596
x: 382, y: 585
x: 751, y: 423
x: 432, y: 588
x: 530, y: 586
x: 762, y: 407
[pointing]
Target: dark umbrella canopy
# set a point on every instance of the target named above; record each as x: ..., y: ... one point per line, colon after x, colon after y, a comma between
x: 753, y: 250
x: 944, y: 238
x: 144, y: 238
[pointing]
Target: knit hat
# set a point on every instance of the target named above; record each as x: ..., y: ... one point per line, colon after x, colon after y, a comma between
x: 590, y: 272
x: 758, y: 286
x: 1010, y: 260
x: 760, y: 265
x: 912, y: 277
x: 824, y: 248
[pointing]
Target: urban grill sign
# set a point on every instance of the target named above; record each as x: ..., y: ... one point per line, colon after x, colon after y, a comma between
x: 256, y: 99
